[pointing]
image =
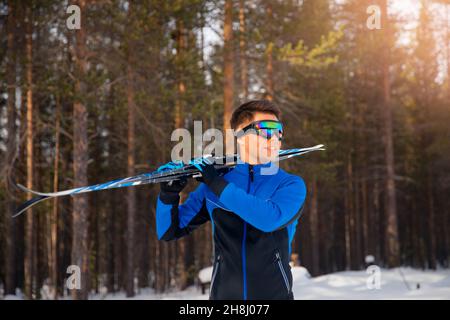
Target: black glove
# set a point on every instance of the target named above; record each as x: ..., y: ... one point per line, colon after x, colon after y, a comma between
x: 174, y: 186
x: 170, y: 190
x: 211, y: 177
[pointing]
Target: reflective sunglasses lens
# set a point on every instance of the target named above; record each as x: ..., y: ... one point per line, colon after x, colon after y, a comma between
x: 268, y: 133
x: 269, y: 125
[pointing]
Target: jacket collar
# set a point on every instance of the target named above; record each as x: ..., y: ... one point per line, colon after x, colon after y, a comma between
x: 244, y: 167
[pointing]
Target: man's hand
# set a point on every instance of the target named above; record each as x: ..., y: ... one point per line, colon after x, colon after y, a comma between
x: 209, y: 173
x: 210, y: 176
x: 174, y: 186
x: 171, y: 189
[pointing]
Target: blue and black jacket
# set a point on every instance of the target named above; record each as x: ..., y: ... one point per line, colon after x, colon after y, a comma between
x: 254, y: 217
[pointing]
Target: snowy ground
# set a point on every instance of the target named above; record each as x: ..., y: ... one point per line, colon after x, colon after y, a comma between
x: 344, y: 285
x: 416, y: 284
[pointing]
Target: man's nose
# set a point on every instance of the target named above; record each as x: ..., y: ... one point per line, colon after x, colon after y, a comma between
x: 274, y: 136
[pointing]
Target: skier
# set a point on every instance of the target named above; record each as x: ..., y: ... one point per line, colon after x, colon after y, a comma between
x: 253, y: 210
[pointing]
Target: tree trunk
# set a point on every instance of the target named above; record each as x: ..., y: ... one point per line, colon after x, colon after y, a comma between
x: 111, y: 235
x: 111, y: 242
x: 243, y: 50
x: 131, y: 199
x: 80, y: 248
x: 447, y: 49
x: 314, y: 222
x: 349, y: 223
x: 180, y: 246
x: 30, y: 262
x: 157, y: 266
x: 392, y: 245
x: 228, y: 84
x: 367, y: 248
x: 269, y: 53
x: 181, y: 86
x: 52, y: 248
x: 117, y: 240
x: 10, y: 225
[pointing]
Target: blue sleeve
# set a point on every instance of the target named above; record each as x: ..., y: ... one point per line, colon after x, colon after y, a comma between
x: 174, y: 221
x: 266, y: 214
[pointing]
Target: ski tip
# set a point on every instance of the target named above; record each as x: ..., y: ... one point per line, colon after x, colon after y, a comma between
x: 320, y: 147
x: 21, y: 210
x: 18, y: 214
x: 22, y: 187
x: 28, y: 204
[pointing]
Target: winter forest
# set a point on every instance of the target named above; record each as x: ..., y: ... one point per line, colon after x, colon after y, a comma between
x: 370, y: 79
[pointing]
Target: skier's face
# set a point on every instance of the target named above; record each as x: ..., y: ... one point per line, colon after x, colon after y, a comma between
x: 256, y: 148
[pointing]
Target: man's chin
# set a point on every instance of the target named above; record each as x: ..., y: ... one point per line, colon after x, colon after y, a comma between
x: 271, y: 157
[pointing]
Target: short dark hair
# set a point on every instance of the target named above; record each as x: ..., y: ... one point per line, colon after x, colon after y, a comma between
x: 246, y: 111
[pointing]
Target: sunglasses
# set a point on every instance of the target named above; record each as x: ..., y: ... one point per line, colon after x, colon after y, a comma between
x: 263, y: 128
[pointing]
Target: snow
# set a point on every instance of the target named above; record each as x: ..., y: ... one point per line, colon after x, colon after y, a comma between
x: 334, y: 286
x: 300, y: 276
x: 341, y: 285
x: 353, y: 285
x: 205, y: 275
x: 191, y: 293
x: 12, y: 297
x: 370, y: 259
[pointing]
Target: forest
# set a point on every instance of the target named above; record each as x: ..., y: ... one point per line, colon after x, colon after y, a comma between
x: 88, y: 103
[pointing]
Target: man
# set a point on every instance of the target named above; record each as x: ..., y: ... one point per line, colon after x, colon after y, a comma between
x: 253, y: 210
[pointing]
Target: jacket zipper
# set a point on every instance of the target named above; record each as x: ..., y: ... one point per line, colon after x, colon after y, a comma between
x: 214, y: 274
x: 244, y: 267
x: 283, y: 273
